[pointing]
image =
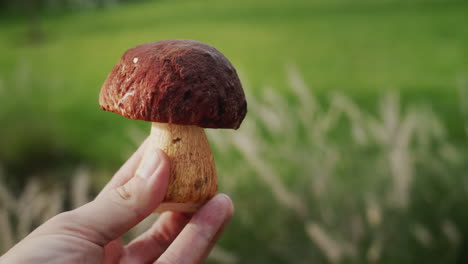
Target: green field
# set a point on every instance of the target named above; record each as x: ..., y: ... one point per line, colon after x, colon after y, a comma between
x: 362, y: 50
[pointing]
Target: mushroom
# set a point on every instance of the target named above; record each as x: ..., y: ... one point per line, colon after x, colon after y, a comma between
x: 181, y: 86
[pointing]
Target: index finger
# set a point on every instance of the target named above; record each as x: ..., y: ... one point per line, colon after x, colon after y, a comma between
x: 199, y: 235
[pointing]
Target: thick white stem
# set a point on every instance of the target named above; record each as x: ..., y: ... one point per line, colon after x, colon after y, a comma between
x: 193, y: 178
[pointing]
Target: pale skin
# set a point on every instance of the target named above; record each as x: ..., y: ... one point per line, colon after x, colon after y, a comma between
x: 92, y: 233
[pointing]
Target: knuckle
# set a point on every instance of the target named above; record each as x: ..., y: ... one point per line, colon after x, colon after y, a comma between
x: 130, y: 197
x: 128, y: 191
x: 123, y: 192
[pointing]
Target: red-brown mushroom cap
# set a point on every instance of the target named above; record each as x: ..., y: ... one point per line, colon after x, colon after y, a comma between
x: 182, y: 82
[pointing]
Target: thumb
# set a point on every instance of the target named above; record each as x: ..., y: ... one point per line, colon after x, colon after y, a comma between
x: 117, y: 210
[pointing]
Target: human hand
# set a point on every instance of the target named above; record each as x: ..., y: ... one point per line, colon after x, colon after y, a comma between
x: 92, y: 233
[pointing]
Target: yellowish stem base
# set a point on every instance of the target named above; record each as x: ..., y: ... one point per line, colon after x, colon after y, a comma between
x: 193, y: 179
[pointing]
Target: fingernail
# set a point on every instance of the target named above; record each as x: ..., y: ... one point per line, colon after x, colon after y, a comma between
x: 225, y: 197
x: 226, y: 203
x: 150, y: 163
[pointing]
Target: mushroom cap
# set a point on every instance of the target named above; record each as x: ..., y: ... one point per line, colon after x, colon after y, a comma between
x: 184, y: 82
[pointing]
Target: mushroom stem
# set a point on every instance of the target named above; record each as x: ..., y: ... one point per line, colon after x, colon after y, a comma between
x: 193, y: 178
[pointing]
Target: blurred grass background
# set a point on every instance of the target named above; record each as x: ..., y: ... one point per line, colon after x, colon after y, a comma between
x: 354, y: 147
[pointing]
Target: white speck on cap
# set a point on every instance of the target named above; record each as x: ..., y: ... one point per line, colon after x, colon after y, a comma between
x: 135, y: 60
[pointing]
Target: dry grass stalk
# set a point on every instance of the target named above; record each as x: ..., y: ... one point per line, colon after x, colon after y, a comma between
x: 6, y: 234
x: 28, y: 211
x: 80, y: 187
x: 374, y: 252
x: 220, y: 255
x: 422, y: 235
x: 283, y: 195
x: 54, y: 204
x: 373, y: 213
x: 402, y: 139
x: 332, y: 249
x: 289, y: 146
x: 450, y: 230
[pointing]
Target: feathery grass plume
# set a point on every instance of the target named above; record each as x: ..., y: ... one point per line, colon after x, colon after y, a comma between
x: 422, y: 235
x: 374, y: 252
x: 80, y: 187
x: 54, y: 204
x: 373, y: 213
x: 253, y: 156
x: 25, y: 207
x: 307, y: 102
x: 325, y: 179
x: 349, y: 171
x: 450, y: 230
x: 399, y: 137
x: 20, y: 215
x: 220, y: 255
x: 332, y: 249
x: 6, y: 199
x: 6, y: 234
